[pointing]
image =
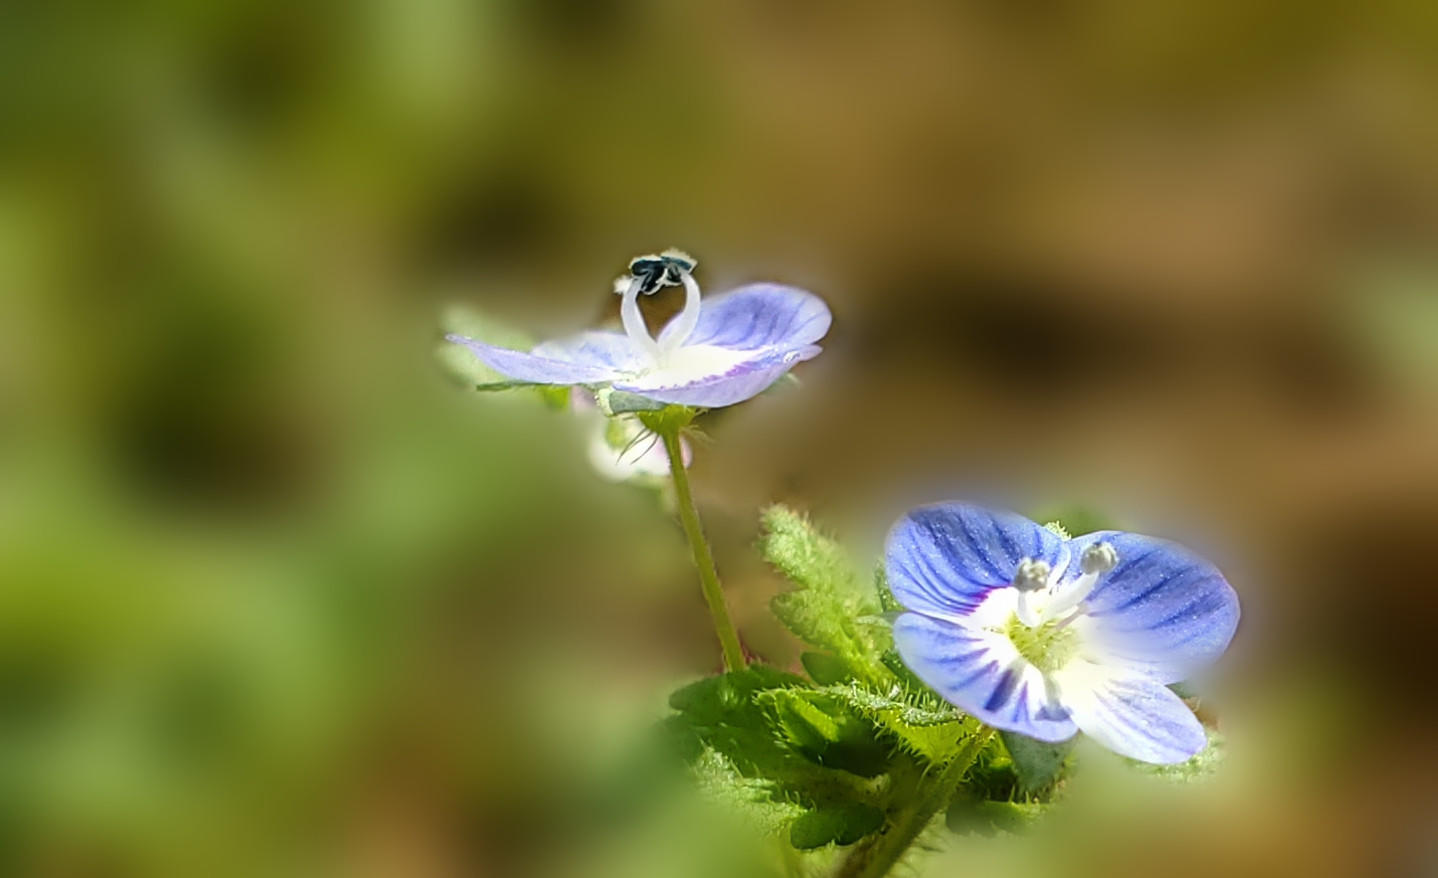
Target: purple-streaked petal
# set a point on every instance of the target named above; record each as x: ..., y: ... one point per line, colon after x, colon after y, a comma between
x: 1161, y: 609
x: 760, y: 317
x: 1131, y: 714
x: 590, y: 358
x: 982, y: 674
x: 735, y: 384
x: 943, y: 560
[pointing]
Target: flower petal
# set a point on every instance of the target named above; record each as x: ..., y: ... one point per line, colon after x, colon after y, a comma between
x: 759, y: 317
x: 982, y: 674
x: 1161, y: 610
x: 736, y: 383
x: 1131, y: 714
x: 588, y: 358
x: 943, y: 560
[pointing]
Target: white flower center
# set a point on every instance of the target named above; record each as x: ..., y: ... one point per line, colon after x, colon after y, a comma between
x: 1037, y: 612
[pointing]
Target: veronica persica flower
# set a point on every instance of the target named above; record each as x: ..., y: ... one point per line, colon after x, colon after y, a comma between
x: 718, y: 351
x: 1046, y: 636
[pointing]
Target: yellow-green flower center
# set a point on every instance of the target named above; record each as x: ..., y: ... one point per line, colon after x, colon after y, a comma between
x: 1047, y: 647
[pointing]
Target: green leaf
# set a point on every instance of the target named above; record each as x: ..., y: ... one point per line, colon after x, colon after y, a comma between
x: 840, y: 824
x: 969, y: 813
x: 722, y: 718
x: 824, y: 728
x: 920, y: 723
x: 758, y: 799
x: 824, y: 668
x: 827, y: 608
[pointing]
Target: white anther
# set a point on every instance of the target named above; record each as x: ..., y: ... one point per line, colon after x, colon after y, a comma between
x: 1099, y: 558
x: 1032, y: 575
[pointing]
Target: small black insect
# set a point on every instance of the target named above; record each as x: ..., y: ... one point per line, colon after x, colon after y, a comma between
x: 664, y: 270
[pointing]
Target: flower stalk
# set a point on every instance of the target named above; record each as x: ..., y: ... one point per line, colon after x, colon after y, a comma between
x: 877, y: 855
x: 703, y: 558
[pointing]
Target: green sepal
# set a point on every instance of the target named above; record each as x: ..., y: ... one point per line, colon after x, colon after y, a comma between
x: 1038, y: 766
x: 498, y: 386
x: 663, y: 420
x: 622, y: 402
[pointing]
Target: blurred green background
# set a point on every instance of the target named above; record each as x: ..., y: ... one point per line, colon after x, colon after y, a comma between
x: 278, y: 598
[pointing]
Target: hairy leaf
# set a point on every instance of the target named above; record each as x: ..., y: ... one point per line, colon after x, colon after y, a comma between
x: 827, y: 609
x: 838, y: 824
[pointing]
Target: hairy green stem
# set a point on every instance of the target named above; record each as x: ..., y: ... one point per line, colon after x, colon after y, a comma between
x: 875, y: 857
x: 703, y: 558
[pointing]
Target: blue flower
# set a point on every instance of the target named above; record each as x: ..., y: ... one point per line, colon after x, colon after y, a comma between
x: 717, y: 352
x: 1046, y: 636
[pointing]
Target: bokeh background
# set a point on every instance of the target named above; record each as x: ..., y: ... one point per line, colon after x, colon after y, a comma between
x: 278, y: 597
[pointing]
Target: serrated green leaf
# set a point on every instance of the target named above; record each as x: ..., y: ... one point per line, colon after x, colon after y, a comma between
x: 826, y: 729
x: 724, y: 715
x: 918, y: 722
x: 827, y: 609
x: 840, y: 824
x: 758, y: 800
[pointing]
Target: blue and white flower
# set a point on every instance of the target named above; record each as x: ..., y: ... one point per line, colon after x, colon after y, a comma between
x: 1046, y: 636
x: 716, y: 352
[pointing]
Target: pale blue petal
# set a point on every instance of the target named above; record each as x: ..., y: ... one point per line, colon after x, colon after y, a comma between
x: 736, y: 384
x: 760, y: 317
x: 944, y: 560
x: 1131, y: 714
x: 577, y: 361
x: 614, y: 350
x: 1162, y: 609
x: 980, y: 673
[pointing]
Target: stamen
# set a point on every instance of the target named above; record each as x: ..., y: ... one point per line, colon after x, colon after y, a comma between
x: 1032, y: 575
x: 678, y: 331
x: 647, y: 275
x: 1099, y: 558
x: 1096, y: 560
x: 634, y: 325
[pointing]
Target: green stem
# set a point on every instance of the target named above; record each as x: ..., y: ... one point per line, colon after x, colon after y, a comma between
x: 875, y: 858
x: 703, y: 558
